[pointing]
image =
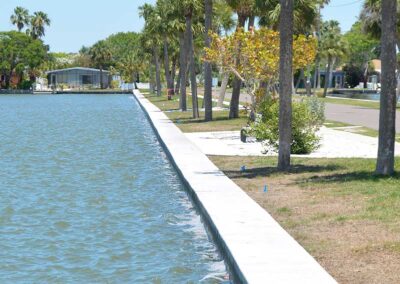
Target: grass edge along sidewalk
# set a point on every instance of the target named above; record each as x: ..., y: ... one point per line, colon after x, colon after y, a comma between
x: 336, y: 208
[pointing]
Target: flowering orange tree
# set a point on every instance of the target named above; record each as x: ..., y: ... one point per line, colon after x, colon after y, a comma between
x: 254, y: 56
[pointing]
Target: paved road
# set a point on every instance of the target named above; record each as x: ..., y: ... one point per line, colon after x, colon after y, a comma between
x: 355, y: 115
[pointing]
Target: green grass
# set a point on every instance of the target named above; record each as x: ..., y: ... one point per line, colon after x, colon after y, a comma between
x: 186, y: 122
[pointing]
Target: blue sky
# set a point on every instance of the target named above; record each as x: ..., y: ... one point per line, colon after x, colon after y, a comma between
x: 83, y: 22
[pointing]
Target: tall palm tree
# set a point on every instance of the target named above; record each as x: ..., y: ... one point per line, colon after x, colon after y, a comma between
x: 332, y: 47
x: 286, y: 30
x: 223, y: 23
x: 371, y: 20
x: 387, y: 120
x: 38, y: 23
x: 101, y: 55
x: 20, y: 18
x: 244, y: 9
x: 189, y: 9
x: 208, y: 9
x: 151, y: 39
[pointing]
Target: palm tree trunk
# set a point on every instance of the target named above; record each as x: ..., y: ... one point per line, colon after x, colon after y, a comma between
x: 237, y: 83
x: 134, y: 75
x: 193, y: 83
x: 158, y: 76
x: 183, y: 62
x: 208, y: 6
x: 301, y: 78
x: 173, y: 73
x: 327, y: 76
x: 252, y: 20
x: 285, y: 86
x: 170, y: 90
x: 387, y: 120
x: 222, y: 91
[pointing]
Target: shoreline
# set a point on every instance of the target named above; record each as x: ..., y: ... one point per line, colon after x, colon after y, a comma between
x: 255, y: 247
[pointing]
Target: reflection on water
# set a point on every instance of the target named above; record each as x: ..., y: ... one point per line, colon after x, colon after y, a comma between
x: 87, y: 195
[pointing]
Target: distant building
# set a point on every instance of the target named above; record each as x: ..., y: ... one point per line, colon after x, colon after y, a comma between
x: 78, y: 78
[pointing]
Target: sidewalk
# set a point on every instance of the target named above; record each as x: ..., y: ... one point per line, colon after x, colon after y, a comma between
x: 334, y: 144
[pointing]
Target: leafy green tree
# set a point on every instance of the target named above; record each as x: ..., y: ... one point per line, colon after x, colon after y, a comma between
x: 101, y: 55
x: 361, y: 49
x: 20, y: 53
x: 38, y: 23
x: 20, y: 18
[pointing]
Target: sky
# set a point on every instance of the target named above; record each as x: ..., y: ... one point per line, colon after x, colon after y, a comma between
x: 83, y: 22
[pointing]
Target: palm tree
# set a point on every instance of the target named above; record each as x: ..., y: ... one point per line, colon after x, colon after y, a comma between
x: 223, y: 23
x: 332, y: 47
x: 189, y: 9
x: 151, y: 40
x: 20, y: 18
x: 38, y: 23
x: 208, y: 8
x: 387, y: 120
x: 164, y: 27
x: 244, y: 9
x: 286, y: 30
x: 101, y: 55
x: 370, y: 18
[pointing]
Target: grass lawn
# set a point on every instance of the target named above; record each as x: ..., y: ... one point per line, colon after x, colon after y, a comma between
x: 346, y: 217
x: 185, y: 121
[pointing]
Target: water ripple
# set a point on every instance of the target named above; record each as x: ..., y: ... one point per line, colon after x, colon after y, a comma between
x: 88, y: 196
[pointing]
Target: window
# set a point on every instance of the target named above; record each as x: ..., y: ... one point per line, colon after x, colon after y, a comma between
x: 87, y: 79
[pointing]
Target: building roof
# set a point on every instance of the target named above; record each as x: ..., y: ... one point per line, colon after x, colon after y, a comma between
x: 76, y: 68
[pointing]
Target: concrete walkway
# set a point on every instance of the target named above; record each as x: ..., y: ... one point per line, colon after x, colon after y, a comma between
x: 334, y: 144
x: 256, y: 248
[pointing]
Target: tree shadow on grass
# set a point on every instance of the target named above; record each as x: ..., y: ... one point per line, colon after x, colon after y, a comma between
x: 269, y: 171
x: 191, y: 120
x: 352, y: 176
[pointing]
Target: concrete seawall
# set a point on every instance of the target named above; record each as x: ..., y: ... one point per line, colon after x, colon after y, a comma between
x: 256, y: 248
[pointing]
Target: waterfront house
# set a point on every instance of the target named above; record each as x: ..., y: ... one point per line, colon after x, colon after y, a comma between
x: 78, y: 78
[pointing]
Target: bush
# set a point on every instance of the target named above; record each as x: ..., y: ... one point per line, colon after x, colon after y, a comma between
x: 308, y: 117
x: 25, y: 85
x: 114, y: 84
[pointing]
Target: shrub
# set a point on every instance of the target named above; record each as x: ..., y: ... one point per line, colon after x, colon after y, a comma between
x: 307, y: 119
x: 114, y: 84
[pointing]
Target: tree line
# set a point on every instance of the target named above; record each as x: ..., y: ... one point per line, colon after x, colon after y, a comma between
x: 177, y: 32
x: 23, y: 53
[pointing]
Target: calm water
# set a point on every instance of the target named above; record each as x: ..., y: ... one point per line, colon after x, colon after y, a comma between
x: 87, y: 195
